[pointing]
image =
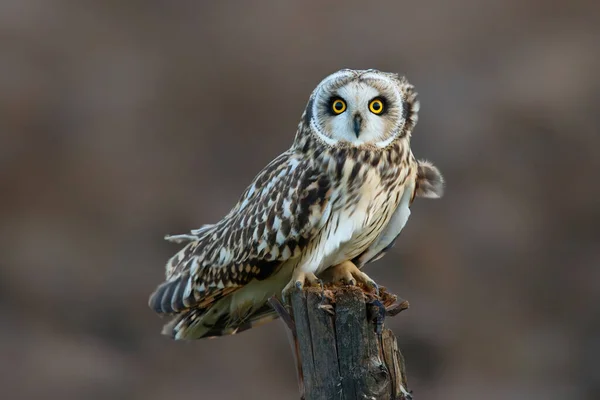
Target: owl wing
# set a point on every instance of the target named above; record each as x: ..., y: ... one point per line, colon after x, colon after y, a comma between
x: 428, y: 184
x: 285, y: 206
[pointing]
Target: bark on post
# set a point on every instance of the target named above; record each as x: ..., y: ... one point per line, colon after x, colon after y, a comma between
x: 344, y: 352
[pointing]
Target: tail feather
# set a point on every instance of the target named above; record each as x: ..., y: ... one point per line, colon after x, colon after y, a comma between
x: 218, y: 310
x: 215, y: 321
x: 172, y: 296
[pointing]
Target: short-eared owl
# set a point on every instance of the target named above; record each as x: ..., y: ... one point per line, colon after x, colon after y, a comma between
x: 338, y: 198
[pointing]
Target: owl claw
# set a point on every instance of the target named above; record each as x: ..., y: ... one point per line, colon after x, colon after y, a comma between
x: 299, y: 279
x: 347, y: 273
x: 375, y: 286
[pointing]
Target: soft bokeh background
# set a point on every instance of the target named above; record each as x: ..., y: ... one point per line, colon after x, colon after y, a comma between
x: 121, y: 121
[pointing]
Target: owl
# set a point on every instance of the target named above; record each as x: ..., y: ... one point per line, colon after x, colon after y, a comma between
x: 334, y: 201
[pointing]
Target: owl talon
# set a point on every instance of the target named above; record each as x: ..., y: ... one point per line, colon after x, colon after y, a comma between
x: 347, y: 273
x: 375, y: 286
x: 299, y: 279
x: 322, y: 294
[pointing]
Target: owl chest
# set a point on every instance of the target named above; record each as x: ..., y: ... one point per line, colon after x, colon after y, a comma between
x: 360, y: 216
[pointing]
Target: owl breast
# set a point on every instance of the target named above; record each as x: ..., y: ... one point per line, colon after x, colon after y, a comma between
x: 359, y: 214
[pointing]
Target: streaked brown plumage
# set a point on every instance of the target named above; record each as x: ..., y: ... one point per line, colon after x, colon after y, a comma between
x: 328, y: 199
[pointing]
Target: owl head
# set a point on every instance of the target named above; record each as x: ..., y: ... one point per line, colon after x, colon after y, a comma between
x: 361, y: 108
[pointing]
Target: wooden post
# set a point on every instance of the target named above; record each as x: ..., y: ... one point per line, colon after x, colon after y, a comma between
x: 344, y: 352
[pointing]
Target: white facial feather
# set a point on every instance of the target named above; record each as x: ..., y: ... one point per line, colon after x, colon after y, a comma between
x: 357, y: 94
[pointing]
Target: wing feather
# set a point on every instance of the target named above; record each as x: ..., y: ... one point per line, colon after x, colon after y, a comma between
x: 273, y: 221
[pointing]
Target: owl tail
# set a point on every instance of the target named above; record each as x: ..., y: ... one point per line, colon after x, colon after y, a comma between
x: 219, y: 312
x: 218, y: 320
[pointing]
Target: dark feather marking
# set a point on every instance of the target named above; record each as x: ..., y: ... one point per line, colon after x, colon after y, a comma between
x: 307, y: 147
x: 337, y: 224
x: 339, y: 168
x: 354, y: 172
x: 308, y: 109
x: 376, y: 159
x: 405, y: 110
x: 260, y: 229
x: 291, y: 244
x: 353, y: 151
x: 270, y: 220
x: 285, y: 227
x: 366, y: 157
x: 309, y: 199
x: 303, y: 241
x: 267, y: 268
x: 272, y: 238
x: 340, y: 159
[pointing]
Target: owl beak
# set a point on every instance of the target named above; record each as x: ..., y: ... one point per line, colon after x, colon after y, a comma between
x: 357, y: 124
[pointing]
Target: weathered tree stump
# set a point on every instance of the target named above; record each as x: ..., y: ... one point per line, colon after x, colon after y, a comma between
x: 343, y: 352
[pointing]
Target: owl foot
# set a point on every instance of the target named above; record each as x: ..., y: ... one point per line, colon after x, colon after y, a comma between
x: 347, y: 273
x: 299, y: 279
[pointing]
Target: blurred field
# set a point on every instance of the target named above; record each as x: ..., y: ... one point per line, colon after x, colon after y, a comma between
x: 123, y: 121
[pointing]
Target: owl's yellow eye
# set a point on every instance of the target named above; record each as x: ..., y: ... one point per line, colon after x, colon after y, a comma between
x: 376, y: 106
x: 338, y: 106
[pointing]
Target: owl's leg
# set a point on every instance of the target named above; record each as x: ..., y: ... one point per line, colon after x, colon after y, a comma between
x: 299, y: 279
x: 347, y: 273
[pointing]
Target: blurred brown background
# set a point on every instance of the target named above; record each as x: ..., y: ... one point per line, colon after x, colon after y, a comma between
x: 121, y: 121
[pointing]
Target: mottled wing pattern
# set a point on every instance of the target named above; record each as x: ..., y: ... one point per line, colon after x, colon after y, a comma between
x: 284, y: 207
